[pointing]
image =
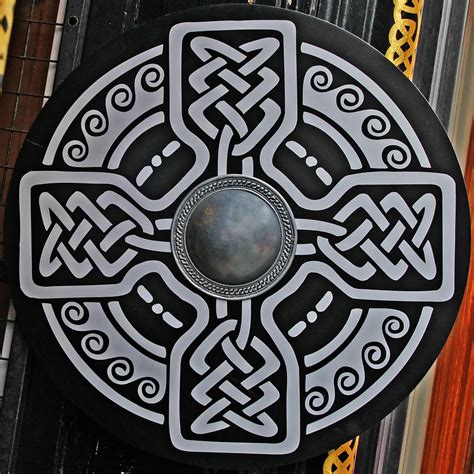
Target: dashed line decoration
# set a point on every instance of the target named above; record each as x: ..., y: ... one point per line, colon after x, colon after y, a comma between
x: 158, y: 309
x: 312, y: 316
x: 156, y: 162
x: 311, y: 161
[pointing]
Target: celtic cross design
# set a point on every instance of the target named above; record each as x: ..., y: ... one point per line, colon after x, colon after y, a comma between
x: 341, y: 246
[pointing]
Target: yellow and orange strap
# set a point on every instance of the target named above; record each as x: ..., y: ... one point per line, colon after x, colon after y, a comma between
x: 404, y: 34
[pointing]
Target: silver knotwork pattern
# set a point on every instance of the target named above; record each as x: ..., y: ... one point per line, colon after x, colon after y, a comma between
x: 244, y: 390
x: 399, y: 242
x: 240, y: 236
x: 78, y: 223
x: 242, y: 96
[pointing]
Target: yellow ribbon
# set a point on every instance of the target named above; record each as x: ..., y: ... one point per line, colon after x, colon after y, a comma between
x: 404, y: 34
x: 342, y: 460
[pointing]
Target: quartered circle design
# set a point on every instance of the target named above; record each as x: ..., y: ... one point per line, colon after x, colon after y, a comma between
x: 324, y: 182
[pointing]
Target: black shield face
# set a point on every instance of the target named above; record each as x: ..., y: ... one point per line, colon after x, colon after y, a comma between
x: 237, y: 237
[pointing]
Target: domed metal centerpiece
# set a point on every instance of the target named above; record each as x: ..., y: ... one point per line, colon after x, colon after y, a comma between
x: 233, y: 237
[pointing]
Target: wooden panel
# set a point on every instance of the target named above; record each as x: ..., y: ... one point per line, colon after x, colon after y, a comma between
x: 21, y: 100
x: 448, y: 444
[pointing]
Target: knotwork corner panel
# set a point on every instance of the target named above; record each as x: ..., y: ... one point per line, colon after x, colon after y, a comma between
x: 237, y: 236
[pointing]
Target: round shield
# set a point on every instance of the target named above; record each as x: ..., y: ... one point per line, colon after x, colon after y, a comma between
x: 237, y: 236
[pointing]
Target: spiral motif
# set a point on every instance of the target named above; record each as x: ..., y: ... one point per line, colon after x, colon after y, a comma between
x: 121, y: 98
x: 149, y: 391
x: 120, y: 371
x: 349, y: 380
x: 396, y: 326
x: 349, y: 98
x: 397, y: 156
x: 73, y: 315
x: 150, y: 77
x: 94, y: 123
x: 322, y: 78
x: 94, y: 344
x: 75, y: 150
x: 376, y: 355
x: 376, y: 125
x: 318, y: 402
